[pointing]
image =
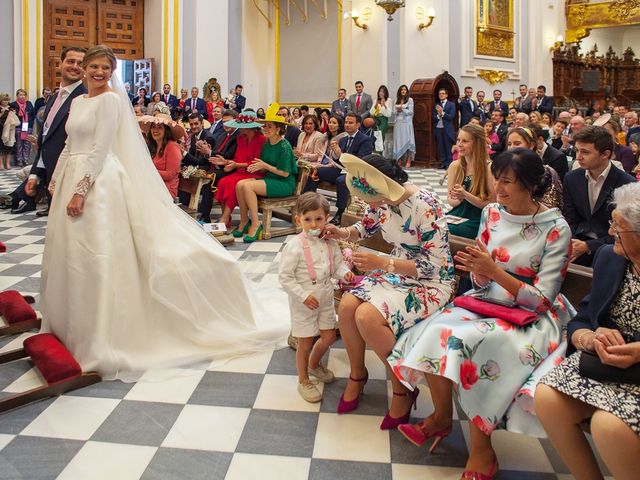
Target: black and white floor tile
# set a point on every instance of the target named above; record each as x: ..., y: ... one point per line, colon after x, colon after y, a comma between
x: 242, y: 420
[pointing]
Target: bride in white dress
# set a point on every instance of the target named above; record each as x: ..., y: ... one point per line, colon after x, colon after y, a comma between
x: 130, y: 283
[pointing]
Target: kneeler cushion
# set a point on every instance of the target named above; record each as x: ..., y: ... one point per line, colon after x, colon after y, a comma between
x: 52, y: 358
x: 3, y: 247
x: 14, y: 308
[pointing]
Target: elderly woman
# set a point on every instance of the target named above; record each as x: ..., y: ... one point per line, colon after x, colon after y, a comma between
x: 491, y: 363
x: 399, y: 291
x: 6, y: 150
x: 311, y: 142
x: 156, y: 98
x: 278, y: 165
x: 26, y: 114
x: 606, y: 332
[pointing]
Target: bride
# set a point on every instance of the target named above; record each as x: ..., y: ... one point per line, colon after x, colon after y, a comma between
x: 130, y: 283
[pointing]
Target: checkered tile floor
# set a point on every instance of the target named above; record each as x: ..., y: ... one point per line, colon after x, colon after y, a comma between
x: 243, y: 420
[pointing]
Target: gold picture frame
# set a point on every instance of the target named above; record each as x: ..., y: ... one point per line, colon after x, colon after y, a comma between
x: 494, y: 28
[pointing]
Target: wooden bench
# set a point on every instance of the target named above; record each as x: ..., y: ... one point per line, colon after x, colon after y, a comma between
x: 283, y: 208
x: 192, y: 186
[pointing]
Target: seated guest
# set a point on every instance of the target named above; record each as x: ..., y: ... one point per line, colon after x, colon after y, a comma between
x: 142, y: 98
x: 296, y: 117
x: 249, y: 145
x: 500, y: 129
x: 607, y: 332
x: 155, y: 99
x: 260, y: 113
x: 550, y: 156
x: 586, y: 202
x: 216, y: 130
x: 535, y: 117
x: 311, y: 143
x: 325, y: 113
x: 197, y: 151
x: 621, y: 153
x: 511, y: 118
x: 399, y: 291
x: 521, y: 120
x: 520, y: 257
x: 278, y: 165
x: 568, y: 147
x: 555, y: 138
x: 631, y: 124
x: 547, y: 121
x: 162, y: 135
x: 491, y: 136
x: 213, y: 101
x: 470, y: 184
x: 292, y: 132
x: 336, y: 133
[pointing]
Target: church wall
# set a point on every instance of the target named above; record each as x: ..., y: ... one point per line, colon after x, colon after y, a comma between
x: 153, y: 38
x: 6, y: 49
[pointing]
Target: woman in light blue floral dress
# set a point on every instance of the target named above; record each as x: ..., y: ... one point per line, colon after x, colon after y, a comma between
x: 400, y: 290
x: 521, y: 257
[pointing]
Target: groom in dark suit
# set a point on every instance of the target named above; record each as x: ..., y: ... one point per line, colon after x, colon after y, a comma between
x: 52, y: 136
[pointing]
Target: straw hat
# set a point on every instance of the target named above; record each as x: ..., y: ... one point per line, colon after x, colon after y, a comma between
x: 602, y: 120
x: 177, y: 132
x: 247, y: 119
x: 367, y: 182
x: 271, y: 115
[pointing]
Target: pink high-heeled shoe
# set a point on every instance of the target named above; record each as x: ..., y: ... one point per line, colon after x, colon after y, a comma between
x: 418, y: 434
x: 469, y: 475
x: 346, y: 406
x: 389, y: 422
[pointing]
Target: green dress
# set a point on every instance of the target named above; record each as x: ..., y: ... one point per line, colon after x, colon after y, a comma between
x: 280, y: 156
x: 468, y: 229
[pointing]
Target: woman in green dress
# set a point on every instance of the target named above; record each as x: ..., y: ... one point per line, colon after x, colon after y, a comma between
x: 470, y: 182
x: 279, y: 164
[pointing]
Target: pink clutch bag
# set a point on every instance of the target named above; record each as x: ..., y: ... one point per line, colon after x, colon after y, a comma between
x: 514, y: 315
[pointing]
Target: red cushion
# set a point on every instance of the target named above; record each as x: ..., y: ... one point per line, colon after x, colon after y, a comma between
x: 14, y: 308
x: 52, y: 358
x: 3, y: 247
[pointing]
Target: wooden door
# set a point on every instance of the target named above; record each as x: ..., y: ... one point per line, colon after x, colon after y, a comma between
x: 85, y: 23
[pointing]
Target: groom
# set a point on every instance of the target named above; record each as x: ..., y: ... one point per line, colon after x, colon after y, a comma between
x: 53, y: 135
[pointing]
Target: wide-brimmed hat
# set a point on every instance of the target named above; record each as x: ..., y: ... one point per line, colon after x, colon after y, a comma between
x: 271, y: 115
x: 145, y: 121
x: 247, y: 119
x: 367, y: 182
x: 602, y: 120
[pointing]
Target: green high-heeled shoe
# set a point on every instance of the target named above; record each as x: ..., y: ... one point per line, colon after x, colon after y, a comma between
x: 237, y: 233
x: 257, y: 236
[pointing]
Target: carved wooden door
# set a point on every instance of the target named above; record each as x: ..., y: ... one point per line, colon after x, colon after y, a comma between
x: 85, y: 23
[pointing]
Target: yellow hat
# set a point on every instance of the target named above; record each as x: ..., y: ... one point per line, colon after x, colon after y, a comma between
x: 367, y: 182
x: 271, y: 115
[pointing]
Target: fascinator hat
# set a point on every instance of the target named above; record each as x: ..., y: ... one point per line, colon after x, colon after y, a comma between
x: 247, y: 119
x: 271, y: 115
x: 177, y: 132
x: 367, y: 182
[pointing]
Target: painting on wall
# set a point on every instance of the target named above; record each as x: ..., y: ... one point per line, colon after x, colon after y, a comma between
x: 494, y: 27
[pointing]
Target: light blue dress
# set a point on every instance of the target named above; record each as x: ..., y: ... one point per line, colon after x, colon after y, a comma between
x: 495, y: 364
x: 404, y: 139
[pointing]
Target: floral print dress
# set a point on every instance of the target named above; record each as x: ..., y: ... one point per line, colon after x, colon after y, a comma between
x: 418, y: 231
x: 494, y: 364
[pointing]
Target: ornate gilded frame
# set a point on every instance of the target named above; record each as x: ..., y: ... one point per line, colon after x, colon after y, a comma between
x: 582, y: 17
x: 494, y: 36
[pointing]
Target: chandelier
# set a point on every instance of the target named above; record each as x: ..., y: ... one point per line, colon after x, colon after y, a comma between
x: 390, y: 6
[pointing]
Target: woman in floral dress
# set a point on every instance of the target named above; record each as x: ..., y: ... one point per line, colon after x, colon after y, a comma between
x: 520, y: 257
x: 400, y: 290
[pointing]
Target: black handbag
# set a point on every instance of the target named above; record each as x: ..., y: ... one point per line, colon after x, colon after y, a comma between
x: 592, y: 367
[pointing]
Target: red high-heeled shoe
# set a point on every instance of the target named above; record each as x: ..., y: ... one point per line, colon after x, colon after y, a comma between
x: 418, y: 434
x: 346, y: 406
x: 469, y: 475
x: 389, y: 422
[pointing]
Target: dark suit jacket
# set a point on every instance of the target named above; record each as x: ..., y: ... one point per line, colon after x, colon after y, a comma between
x: 361, y: 146
x: 625, y: 156
x: 228, y: 150
x: 201, y: 107
x: 172, y: 103
x: 632, y: 131
x: 241, y: 102
x: 523, y: 105
x: 545, y: 104
x: 468, y: 108
x: 577, y: 211
x: 51, y: 145
x: 193, y: 157
x: 40, y: 102
x: 447, y: 119
x: 343, y: 105
x: 502, y: 132
x: 218, y: 132
x: 503, y: 106
x: 134, y: 101
x: 556, y: 160
x: 31, y: 113
x: 291, y: 135
x: 608, y: 273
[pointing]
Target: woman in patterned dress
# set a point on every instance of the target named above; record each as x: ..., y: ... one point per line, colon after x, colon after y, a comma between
x: 608, y: 324
x: 520, y: 257
x: 400, y: 290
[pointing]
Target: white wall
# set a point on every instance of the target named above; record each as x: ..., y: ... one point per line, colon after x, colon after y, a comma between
x: 153, y: 39
x: 7, y: 50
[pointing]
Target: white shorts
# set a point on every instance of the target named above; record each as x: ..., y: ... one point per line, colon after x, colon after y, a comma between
x: 308, y: 323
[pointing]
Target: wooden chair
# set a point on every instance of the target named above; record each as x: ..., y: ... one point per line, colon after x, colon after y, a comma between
x: 283, y: 208
x: 192, y: 186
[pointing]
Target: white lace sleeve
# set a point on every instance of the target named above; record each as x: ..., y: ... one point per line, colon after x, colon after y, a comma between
x: 107, y: 123
x: 61, y: 164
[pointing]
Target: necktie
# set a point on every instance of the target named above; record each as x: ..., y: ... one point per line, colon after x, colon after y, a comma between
x: 193, y: 104
x: 224, y: 142
x: 55, y: 107
x: 192, y: 148
x: 348, y: 145
x: 358, y: 102
x: 166, y: 99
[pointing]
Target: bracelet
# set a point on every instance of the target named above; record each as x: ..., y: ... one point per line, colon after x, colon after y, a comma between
x: 580, y: 344
x: 346, y: 230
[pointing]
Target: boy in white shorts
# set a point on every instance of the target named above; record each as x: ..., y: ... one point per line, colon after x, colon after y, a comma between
x: 307, y: 266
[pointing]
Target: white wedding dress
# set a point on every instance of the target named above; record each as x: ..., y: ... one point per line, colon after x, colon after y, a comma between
x: 134, y: 284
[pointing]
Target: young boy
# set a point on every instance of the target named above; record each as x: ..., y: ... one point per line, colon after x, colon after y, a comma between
x: 307, y: 266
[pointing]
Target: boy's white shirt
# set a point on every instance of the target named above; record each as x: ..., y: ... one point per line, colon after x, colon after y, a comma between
x: 293, y: 274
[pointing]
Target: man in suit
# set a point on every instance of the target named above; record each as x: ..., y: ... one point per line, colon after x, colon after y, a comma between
x: 483, y: 108
x: 52, y: 137
x: 498, y: 104
x: 239, y: 102
x: 523, y: 102
x: 197, y: 152
x: 550, y: 156
x: 356, y: 143
x: 127, y: 88
x: 631, y: 122
x: 360, y: 103
x: 169, y: 99
x: 576, y: 124
x: 542, y: 102
x: 467, y: 106
x: 42, y: 101
x: 588, y: 191
x: 222, y: 153
x: 216, y: 130
x: 341, y: 106
x: 291, y: 132
x: 501, y: 129
x: 195, y: 104
x: 442, y: 122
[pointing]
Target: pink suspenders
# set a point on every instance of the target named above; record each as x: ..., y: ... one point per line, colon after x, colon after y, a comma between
x: 309, y: 259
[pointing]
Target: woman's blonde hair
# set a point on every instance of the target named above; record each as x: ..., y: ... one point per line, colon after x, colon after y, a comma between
x: 480, y: 160
x: 100, y: 51
x: 5, y: 96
